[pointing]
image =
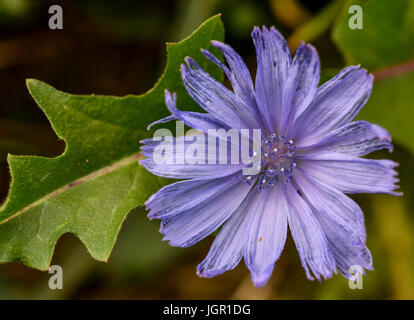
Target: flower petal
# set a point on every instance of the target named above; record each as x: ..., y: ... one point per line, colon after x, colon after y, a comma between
x: 309, y: 237
x: 183, y: 195
x: 355, y: 138
x: 237, y: 72
x: 196, y: 120
x: 332, y: 202
x: 176, y: 164
x: 228, y: 246
x: 301, y: 84
x: 239, y: 77
x: 215, y: 98
x: 273, y: 63
x: 266, y: 235
x: 341, y: 220
x: 351, y: 174
x: 193, y: 225
x: 336, y: 103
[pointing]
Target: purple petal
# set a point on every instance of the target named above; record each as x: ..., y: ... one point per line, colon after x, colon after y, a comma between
x: 237, y: 72
x: 301, y: 84
x: 356, y: 138
x: 351, y: 174
x: 193, y: 225
x: 336, y: 103
x: 266, y: 235
x: 176, y: 165
x: 163, y: 120
x: 216, y: 99
x: 196, y: 120
x: 273, y: 63
x: 335, y: 203
x: 183, y: 195
x: 309, y: 237
x: 341, y: 220
x: 228, y: 246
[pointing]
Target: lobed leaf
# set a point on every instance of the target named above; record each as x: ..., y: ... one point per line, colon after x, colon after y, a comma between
x: 89, y: 190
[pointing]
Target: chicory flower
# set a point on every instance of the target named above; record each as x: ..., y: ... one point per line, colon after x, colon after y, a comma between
x: 310, y: 158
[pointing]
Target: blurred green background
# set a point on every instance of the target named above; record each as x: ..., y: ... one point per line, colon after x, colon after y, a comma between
x: 117, y: 48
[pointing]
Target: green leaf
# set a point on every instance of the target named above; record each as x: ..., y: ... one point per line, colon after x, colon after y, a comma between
x: 89, y: 190
x: 384, y: 46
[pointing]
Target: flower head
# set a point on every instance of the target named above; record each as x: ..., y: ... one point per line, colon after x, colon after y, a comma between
x: 309, y: 158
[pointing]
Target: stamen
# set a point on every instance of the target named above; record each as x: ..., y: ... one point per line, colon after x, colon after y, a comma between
x: 278, y: 161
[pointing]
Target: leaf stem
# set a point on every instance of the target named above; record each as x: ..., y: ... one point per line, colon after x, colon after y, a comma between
x: 395, y: 70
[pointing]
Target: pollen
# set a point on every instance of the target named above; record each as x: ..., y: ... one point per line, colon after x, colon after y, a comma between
x: 278, y: 159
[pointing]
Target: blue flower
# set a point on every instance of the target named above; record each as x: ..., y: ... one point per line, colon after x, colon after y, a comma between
x: 310, y: 158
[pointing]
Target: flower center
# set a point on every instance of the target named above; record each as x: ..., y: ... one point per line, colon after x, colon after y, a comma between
x: 278, y: 155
